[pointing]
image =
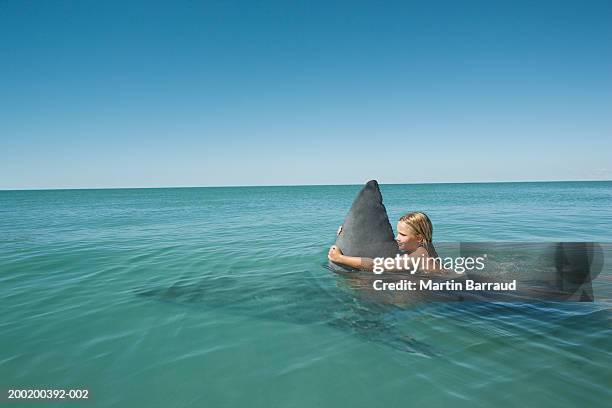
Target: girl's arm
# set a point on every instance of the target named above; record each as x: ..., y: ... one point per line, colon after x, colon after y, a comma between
x: 367, y: 264
x: 336, y: 256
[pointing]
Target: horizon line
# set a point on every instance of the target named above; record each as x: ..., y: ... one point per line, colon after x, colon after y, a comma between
x: 297, y: 185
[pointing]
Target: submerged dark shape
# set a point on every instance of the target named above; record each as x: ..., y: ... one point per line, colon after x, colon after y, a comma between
x: 301, y: 300
x: 366, y: 230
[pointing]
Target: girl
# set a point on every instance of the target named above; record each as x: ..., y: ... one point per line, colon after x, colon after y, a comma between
x: 414, y: 237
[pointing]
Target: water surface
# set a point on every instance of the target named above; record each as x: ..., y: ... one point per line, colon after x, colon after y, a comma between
x: 264, y: 323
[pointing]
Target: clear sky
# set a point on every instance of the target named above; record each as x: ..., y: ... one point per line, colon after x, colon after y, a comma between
x: 190, y: 93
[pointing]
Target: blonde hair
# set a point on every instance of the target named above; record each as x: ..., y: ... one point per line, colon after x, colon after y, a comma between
x: 421, y: 225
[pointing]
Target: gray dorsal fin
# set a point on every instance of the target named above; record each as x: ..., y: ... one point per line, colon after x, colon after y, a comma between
x: 366, y: 231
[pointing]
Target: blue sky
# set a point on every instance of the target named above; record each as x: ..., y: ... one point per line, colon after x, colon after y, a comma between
x: 177, y: 93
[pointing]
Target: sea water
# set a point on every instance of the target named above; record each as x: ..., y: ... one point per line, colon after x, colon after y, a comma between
x: 219, y: 297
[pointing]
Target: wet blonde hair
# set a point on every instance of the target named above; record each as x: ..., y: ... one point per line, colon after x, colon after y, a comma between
x: 421, y: 225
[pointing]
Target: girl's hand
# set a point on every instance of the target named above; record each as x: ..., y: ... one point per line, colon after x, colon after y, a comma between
x: 334, y: 254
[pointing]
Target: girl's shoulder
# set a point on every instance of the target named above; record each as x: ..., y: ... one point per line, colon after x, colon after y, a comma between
x: 420, y: 251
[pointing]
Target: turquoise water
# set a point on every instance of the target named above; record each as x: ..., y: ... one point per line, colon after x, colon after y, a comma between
x: 258, y: 320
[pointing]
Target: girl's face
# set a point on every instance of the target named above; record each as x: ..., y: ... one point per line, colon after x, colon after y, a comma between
x: 406, y: 239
